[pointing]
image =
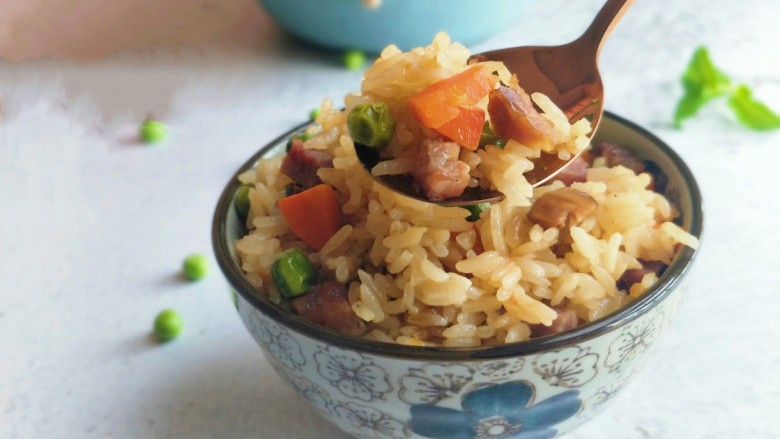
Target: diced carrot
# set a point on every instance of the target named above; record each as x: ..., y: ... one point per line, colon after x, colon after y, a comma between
x: 465, y: 129
x: 443, y: 100
x: 313, y: 215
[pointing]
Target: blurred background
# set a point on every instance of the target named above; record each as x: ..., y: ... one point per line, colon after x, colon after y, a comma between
x: 94, y: 224
x: 88, y: 30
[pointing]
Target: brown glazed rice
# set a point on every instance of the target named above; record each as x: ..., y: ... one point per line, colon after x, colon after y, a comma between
x: 421, y: 274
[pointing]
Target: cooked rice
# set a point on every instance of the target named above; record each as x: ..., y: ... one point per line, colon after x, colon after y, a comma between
x: 420, y: 274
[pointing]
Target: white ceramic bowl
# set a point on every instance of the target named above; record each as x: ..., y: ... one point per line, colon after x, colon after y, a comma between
x: 535, y: 389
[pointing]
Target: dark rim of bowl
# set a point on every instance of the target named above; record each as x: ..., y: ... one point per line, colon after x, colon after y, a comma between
x: 666, y: 284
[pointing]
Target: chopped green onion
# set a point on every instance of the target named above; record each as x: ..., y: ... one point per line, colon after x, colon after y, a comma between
x: 476, y: 210
x: 314, y: 114
x: 293, y: 273
x: 489, y: 137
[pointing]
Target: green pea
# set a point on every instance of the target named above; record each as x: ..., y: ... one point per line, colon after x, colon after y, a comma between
x: 354, y: 59
x: 196, y: 266
x: 476, y: 210
x: 293, y: 273
x: 241, y: 201
x: 371, y: 124
x: 167, y: 325
x: 153, y: 131
x: 314, y: 114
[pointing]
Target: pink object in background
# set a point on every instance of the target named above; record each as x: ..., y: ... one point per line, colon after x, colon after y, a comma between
x: 89, y: 29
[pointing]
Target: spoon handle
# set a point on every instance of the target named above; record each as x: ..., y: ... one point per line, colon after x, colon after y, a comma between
x: 602, y: 25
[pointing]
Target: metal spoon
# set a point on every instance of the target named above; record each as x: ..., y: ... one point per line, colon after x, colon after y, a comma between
x: 567, y: 74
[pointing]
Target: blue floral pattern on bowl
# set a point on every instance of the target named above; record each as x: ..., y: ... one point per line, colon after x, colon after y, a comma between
x: 352, y: 374
x: 370, y: 422
x: 277, y: 340
x: 632, y: 342
x: 496, y: 411
x: 570, y: 367
x: 536, y: 396
x: 434, y: 382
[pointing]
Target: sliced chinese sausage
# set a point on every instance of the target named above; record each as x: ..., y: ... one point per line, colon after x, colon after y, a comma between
x: 565, y: 321
x: 438, y: 170
x: 616, y: 155
x: 632, y: 276
x: 562, y: 208
x: 513, y: 116
x: 301, y: 164
x: 326, y: 304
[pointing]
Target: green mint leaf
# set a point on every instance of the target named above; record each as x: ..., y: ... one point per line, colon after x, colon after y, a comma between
x: 702, y: 82
x: 752, y: 113
x: 702, y: 78
x: 687, y: 107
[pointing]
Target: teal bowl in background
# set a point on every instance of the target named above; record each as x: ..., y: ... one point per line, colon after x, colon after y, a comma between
x: 349, y: 24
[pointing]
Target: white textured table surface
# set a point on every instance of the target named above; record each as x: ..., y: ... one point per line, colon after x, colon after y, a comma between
x: 93, y: 229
